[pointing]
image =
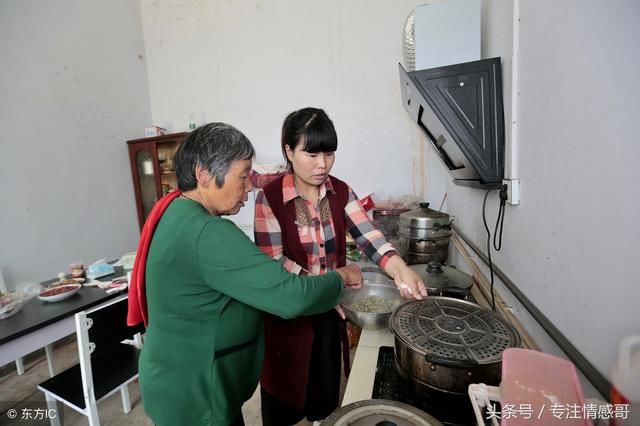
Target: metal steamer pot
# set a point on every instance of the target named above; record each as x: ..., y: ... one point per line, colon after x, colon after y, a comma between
x: 379, y: 412
x: 444, y: 280
x: 444, y: 344
x: 424, y: 235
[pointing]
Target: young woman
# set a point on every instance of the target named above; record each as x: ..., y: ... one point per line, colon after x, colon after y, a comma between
x: 301, y: 219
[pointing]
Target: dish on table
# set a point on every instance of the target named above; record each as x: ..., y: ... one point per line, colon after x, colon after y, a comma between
x: 66, y: 281
x: 54, y: 294
x: 10, y: 312
x: 8, y: 306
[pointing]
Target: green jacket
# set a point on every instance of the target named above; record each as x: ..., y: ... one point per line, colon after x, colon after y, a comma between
x: 207, y: 285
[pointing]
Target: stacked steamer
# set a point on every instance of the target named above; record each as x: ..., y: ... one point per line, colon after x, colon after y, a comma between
x: 424, y: 235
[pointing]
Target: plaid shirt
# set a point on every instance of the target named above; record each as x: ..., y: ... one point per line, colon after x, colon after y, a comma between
x: 316, y: 230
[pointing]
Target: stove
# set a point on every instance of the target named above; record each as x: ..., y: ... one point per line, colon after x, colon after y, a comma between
x: 451, y: 410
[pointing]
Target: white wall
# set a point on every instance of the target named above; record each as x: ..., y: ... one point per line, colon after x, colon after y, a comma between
x: 73, y: 89
x: 447, y: 32
x: 250, y: 63
x: 572, y: 244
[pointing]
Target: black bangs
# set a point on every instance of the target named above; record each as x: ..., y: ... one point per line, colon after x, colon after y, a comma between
x: 320, y: 140
x: 319, y: 135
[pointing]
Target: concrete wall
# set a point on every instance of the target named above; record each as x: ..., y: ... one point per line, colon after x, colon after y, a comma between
x: 250, y: 63
x: 73, y: 88
x: 571, y: 246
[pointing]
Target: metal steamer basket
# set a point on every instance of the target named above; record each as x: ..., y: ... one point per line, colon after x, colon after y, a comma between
x: 444, y: 344
x: 424, y: 235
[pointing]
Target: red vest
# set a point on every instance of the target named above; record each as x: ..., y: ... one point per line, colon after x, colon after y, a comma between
x: 285, y: 372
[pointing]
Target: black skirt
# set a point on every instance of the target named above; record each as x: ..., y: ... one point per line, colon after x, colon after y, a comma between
x: 323, y: 388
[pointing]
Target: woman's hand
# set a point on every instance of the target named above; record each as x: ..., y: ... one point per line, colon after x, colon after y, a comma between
x: 407, y: 281
x: 351, y: 276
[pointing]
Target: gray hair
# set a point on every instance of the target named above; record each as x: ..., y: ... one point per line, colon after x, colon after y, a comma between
x: 214, y: 147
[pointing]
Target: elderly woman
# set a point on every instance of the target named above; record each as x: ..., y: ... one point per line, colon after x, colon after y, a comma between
x: 207, y: 285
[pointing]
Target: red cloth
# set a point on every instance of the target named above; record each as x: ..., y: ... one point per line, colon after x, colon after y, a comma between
x: 137, y: 296
x: 260, y: 180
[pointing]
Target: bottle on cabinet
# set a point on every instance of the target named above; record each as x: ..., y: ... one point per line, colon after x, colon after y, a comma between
x: 625, y: 381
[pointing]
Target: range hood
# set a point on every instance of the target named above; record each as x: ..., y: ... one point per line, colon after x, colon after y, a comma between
x: 459, y: 109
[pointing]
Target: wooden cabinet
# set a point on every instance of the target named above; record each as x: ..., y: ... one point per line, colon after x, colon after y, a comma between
x: 152, y: 169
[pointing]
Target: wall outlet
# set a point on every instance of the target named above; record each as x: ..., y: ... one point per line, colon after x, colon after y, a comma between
x: 513, y: 191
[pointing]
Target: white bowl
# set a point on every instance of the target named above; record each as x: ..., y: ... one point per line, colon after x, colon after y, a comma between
x: 53, y: 294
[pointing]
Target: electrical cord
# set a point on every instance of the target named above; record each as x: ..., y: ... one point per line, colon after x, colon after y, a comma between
x: 486, y: 227
x: 500, y: 221
x: 496, y: 244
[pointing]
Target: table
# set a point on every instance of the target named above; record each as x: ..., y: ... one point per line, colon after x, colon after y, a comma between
x: 39, y: 324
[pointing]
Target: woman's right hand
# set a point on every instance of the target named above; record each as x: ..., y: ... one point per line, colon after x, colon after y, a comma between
x: 351, y: 276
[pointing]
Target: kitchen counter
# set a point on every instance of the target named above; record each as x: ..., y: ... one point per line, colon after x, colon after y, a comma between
x: 363, y: 368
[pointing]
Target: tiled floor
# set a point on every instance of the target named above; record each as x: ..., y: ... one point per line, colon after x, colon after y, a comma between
x: 20, y: 392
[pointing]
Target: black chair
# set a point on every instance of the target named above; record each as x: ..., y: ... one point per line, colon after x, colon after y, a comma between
x: 109, y: 351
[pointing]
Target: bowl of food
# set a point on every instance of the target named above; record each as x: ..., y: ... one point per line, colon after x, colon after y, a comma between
x: 57, y: 293
x: 370, y: 307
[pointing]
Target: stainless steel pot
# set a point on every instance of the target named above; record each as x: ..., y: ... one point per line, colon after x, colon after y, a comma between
x: 444, y: 280
x: 424, y: 223
x: 379, y: 412
x: 445, y: 344
x: 372, y: 274
x: 424, y: 235
x: 424, y: 251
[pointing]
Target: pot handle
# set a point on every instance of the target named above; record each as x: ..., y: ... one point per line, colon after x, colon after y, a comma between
x: 426, y: 240
x: 448, y: 362
x: 438, y: 227
x: 457, y: 292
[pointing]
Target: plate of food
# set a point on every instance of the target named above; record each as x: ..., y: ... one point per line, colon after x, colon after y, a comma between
x: 9, y: 306
x: 60, y: 292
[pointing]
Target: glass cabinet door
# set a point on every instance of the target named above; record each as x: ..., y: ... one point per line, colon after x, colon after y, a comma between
x: 153, y: 170
x: 146, y: 181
